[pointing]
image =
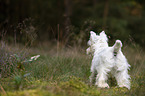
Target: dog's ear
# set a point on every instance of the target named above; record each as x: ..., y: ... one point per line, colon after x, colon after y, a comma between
x: 103, y: 35
x: 93, y: 35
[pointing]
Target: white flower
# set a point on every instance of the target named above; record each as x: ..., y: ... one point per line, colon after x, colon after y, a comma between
x: 34, y: 57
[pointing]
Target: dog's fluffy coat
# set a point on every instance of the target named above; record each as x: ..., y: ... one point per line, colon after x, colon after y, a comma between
x: 107, y: 59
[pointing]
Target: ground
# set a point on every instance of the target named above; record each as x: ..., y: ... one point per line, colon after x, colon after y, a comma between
x: 66, y: 73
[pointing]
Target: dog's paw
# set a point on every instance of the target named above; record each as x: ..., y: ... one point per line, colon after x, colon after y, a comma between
x: 104, y: 85
x: 126, y: 86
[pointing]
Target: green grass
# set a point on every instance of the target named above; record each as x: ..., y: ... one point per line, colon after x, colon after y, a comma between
x: 67, y: 74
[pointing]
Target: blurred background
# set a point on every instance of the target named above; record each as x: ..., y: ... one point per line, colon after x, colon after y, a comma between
x: 69, y: 21
x: 58, y: 31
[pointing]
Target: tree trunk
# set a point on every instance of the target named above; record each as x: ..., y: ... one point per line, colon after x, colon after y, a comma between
x: 67, y: 21
x: 67, y: 15
x: 106, y: 9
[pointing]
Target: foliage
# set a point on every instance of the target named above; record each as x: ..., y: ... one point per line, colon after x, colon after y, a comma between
x: 22, y: 74
x: 26, y: 32
x: 122, y: 19
x: 9, y: 61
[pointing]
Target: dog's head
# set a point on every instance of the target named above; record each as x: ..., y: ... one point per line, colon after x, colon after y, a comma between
x: 97, y: 41
x: 95, y: 38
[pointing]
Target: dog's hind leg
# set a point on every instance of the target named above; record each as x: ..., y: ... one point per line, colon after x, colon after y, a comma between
x: 101, y: 80
x: 122, y: 78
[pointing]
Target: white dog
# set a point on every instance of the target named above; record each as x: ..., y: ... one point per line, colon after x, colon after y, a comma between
x: 107, y: 59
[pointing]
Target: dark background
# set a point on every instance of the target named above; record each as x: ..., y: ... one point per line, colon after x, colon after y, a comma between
x: 69, y: 21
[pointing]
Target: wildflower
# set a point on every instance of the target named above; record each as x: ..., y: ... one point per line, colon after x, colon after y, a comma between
x: 34, y: 58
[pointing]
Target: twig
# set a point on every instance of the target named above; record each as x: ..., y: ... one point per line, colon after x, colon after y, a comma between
x: 58, y: 40
x: 3, y: 91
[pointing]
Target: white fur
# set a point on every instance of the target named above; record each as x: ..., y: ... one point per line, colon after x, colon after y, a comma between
x: 97, y: 42
x: 107, y: 59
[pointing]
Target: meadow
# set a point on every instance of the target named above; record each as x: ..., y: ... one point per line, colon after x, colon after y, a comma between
x: 62, y: 72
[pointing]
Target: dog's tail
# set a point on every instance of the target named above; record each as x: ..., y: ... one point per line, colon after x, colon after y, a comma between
x: 117, y: 46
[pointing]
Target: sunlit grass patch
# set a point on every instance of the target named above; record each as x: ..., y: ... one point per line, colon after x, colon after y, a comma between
x: 75, y: 84
x: 31, y: 92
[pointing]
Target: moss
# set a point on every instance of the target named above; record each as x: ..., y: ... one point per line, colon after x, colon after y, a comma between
x: 35, y: 92
x: 73, y: 86
x: 76, y: 84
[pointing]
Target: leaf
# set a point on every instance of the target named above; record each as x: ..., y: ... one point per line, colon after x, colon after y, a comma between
x: 27, y: 74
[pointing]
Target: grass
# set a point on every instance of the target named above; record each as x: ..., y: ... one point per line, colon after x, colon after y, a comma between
x: 66, y: 73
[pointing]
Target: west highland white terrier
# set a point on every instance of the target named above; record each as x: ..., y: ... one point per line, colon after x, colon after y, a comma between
x: 107, y: 60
